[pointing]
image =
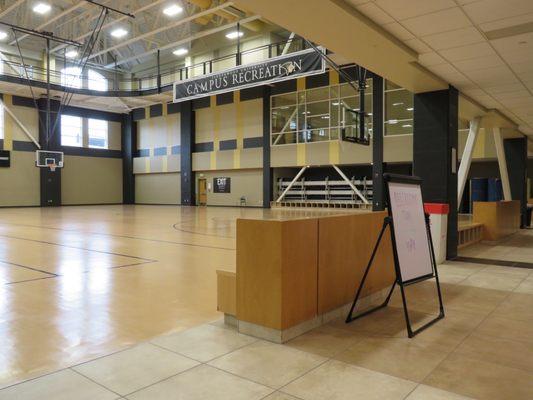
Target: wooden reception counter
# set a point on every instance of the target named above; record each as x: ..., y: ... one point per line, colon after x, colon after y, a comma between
x: 293, y: 273
x: 499, y: 218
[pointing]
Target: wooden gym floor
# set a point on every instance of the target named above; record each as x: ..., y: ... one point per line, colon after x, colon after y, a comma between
x: 84, y: 281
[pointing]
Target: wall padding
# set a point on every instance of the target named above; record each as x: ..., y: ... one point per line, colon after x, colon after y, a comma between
x: 158, y: 188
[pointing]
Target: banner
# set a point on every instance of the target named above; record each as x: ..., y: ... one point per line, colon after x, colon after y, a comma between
x: 281, y: 68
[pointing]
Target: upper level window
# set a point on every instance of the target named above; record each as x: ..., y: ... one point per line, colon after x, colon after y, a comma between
x: 398, y: 110
x: 71, y: 77
x: 71, y: 131
x: 97, y: 81
x: 98, y: 133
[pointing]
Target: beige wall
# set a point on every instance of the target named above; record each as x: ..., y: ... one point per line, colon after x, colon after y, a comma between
x: 248, y: 183
x: 91, y: 180
x: 158, y: 188
x: 20, y: 184
x: 156, y: 132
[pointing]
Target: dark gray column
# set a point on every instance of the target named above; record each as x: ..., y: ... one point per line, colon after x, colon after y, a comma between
x: 377, y: 144
x: 50, y: 181
x: 186, y: 148
x: 435, y: 138
x: 267, y: 171
x: 129, y: 146
x: 516, y: 157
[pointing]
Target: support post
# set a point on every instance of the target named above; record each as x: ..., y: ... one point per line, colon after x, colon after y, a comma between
x: 129, y: 146
x: 267, y: 170
x: 466, y: 159
x: 516, y: 157
x: 187, y: 132
x: 378, y: 193
x: 435, y: 142
x: 502, y: 163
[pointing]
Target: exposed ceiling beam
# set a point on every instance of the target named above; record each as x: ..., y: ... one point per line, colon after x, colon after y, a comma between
x: 115, y: 21
x: 187, y: 39
x: 53, y: 19
x: 163, y: 28
x: 11, y: 7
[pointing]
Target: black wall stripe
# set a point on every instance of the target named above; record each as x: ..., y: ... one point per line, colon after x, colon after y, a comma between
x: 204, y: 102
x: 143, y: 153
x: 315, y: 81
x: 23, y: 101
x: 173, y: 108
x: 156, y: 110
x: 203, y: 147
x: 224, y: 98
x: 252, y: 93
x: 90, y: 152
x: 19, y: 145
x: 138, y: 114
x: 252, y: 142
x: 160, y: 151
x: 230, y: 144
x: 176, y: 149
x: 284, y: 87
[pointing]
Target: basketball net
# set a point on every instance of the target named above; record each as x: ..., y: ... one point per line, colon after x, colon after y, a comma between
x: 52, y: 167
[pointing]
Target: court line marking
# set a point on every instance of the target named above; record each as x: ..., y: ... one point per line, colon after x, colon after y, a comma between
x: 27, y: 267
x: 121, y: 236
x: 79, y: 248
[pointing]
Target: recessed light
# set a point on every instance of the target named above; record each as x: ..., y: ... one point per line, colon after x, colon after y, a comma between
x: 397, y: 104
x: 42, y: 8
x: 71, y: 54
x: 119, y: 32
x: 3, y: 35
x: 181, y: 51
x: 410, y: 109
x: 172, y: 10
x: 407, y: 126
x: 234, y: 34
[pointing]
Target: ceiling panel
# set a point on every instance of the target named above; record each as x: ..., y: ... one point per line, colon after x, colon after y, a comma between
x: 431, y: 58
x: 479, y: 63
x: 492, y: 10
x: 403, y: 9
x: 457, y: 38
x: 470, y: 51
x: 441, y: 21
x: 375, y: 13
x: 398, y: 31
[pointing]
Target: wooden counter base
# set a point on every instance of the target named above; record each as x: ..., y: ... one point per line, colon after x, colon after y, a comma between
x: 499, y: 218
x: 293, y: 274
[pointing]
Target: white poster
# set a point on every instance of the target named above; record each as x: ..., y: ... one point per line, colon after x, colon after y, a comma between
x: 410, y: 232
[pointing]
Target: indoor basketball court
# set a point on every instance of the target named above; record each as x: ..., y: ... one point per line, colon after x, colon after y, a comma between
x: 266, y: 200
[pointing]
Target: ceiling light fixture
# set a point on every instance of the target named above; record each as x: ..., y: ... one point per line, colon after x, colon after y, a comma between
x: 119, y: 32
x: 397, y: 104
x: 42, y: 8
x: 71, y: 54
x: 234, y: 34
x: 172, y: 10
x: 180, y: 52
x: 407, y: 126
x: 392, y: 121
x: 3, y: 35
x: 410, y: 109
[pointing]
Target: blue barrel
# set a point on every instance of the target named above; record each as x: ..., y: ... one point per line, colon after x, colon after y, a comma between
x: 495, y: 189
x: 479, y: 189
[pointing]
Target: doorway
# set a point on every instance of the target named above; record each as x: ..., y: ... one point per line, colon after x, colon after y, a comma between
x: 202, y: 192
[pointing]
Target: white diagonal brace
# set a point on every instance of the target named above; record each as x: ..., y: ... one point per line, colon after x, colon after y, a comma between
x: 502, y: 163
x: 357, y: 191
x: 466, y: 159
x: 292, y: 183
x: 24, y: 129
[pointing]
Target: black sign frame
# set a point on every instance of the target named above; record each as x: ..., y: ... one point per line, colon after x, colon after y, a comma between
x: 290, y: 66
x: 222, y: 184
x: 5, y: 158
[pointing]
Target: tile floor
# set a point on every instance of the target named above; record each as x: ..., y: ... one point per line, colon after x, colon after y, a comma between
x: 483, y: 349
